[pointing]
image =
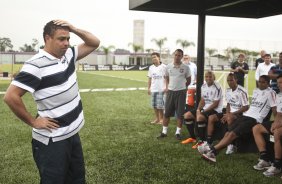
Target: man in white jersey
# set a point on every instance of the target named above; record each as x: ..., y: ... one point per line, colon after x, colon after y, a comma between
x: 156, y: 87
x: 211, y: 103
x: 193, y: 68
x: 264, y: 99
x: 269, y: 128
x: 263, y: 68
x: 51, y: 79
x: 177, y: 76
x: 237, y: 103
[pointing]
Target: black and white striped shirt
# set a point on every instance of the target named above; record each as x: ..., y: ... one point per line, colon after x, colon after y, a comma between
x: 53, y: 84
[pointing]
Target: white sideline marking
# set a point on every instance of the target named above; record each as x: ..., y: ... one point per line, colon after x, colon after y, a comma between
x: 84, y: 90
x: 103, y: 89
x: 222, y: 75
x: 116, y: 77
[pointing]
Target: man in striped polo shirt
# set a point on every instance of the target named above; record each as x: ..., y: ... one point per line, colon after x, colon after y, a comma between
x: 51, y: 79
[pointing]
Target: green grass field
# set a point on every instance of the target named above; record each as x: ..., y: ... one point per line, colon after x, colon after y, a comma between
x: 9, y: 68
x: 120, y: 144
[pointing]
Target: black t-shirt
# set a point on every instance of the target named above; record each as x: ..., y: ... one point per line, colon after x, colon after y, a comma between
x: 240, y: 75
x: 258, y: 61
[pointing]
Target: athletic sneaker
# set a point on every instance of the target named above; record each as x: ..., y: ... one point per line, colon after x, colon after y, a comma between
x: 162, y: 135
x: 204, y: 148
x: 189, y: 140
x: 210, y: 156
x: 178, y: 136
x: 199, y: 143
x: 230, y: 149
x: 262, y: 165
x: 271, y: 171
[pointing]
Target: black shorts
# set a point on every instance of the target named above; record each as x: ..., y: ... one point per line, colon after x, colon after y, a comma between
x: 207, y: 113
x: 267, y: 126
x: 242, y: 125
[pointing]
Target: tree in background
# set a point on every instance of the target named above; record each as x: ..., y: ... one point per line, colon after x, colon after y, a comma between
x: 30, y: 48
x: 185, y: 43
x: 160, y: 43
x: 210, y: 52
x: 106, y: 51
x: 135, y: 48
x: 149, y: 50
x: 5, y: 43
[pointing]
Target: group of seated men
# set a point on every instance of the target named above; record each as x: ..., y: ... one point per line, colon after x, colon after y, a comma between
x: 240, y: 118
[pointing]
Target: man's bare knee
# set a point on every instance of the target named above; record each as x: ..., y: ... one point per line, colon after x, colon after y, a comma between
x: 189, y: 115
x: 258, y: 129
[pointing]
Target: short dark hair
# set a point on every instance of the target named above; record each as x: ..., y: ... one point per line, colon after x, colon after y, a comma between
x: 179, y: 50
x: 279, y: 76
x: 50, y: 28
x: 156, y: 53
x: 266, y: 78
x: 267, y: 55
x: 231, y: 74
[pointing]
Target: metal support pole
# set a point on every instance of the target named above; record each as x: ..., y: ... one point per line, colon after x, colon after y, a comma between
x: 200, y: 55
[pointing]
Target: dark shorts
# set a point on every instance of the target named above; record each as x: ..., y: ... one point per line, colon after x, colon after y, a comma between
x: 242, y: 125
x: 175, y: 103
x: 60, y: 162
x: 267, y: 126
x: 207, y: 113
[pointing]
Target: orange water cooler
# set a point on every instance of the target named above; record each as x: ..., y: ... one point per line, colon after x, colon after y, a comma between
x: 190, y: 97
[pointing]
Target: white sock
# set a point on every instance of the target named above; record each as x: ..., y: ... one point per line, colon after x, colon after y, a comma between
x: 165, y: 130
x: 178, y: 130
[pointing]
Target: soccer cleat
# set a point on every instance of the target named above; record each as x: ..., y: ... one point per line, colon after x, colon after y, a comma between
x: 230, y: 149
x: 162, y: 135
x: 199, y: 143
x: 210, y: 156
x: 189, y: 140
x: 178, y: 136
x: 271, y: 171
x: 204, y: 148
x: 261, y: 165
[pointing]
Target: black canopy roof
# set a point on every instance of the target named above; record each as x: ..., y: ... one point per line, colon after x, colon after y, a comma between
x: 229, y: 8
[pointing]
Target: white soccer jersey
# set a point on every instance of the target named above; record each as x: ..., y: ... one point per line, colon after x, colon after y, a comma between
x: 262, y: 102
x: 212, y: 93
x: 157, y: 73
x: 193, y: 69
x: 237, y: 98
x: 279, y: 102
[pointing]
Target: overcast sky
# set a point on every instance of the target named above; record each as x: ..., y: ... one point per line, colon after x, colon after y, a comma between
x: 112, y: 22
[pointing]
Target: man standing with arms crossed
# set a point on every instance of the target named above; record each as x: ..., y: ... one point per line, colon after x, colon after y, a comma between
x: 178, y: 77
x: 51, y: 79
